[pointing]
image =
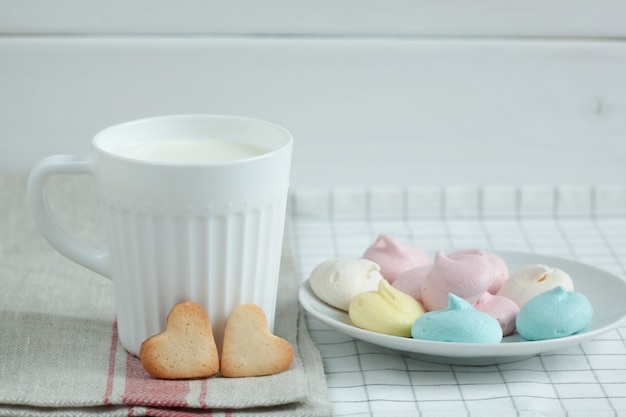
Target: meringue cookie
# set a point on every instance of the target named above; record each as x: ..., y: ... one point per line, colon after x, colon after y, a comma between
x: 385, y: 310
x: 466, y: 275
x: 394, y: 256
x: 554, y: 313
x: 500, y: 269
x: 503, y: 309
x: 410, y: 282
x: 459, y: 323
x: 532, y: 280
x: 337, y: 281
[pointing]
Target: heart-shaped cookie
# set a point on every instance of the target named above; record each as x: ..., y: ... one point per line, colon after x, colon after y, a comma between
x: 249, y: 348
x: 185, y: 349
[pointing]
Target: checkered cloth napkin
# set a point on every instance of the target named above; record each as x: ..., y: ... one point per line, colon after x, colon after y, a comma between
x: 59, y: 350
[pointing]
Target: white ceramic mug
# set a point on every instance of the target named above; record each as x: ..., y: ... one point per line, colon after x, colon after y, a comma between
x: 193, y: 209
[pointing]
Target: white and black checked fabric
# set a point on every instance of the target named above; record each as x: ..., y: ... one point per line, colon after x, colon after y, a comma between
x: 587, y: 224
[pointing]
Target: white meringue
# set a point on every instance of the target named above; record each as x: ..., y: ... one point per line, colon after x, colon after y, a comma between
x: 533, y: 280
x: 337, y: 281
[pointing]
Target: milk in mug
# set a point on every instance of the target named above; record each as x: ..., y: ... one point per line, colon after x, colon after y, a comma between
x: 192, y: 151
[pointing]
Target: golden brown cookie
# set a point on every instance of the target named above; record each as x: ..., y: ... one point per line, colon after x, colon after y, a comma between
x: 249, y: 348
x: 185, y: 349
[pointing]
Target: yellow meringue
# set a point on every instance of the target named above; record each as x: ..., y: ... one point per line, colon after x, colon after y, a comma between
x: 386, y: 310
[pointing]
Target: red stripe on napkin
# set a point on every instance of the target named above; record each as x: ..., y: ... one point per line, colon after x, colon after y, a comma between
x: 203, y: 392
x: 142, y: 389
x: 111, y: 372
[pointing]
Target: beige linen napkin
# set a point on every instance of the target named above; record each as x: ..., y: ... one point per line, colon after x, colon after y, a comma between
x: 59, y: 353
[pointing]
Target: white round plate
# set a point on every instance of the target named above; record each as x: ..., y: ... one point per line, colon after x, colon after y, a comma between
x: 605, y: 291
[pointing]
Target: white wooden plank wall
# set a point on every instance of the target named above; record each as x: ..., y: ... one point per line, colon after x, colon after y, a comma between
x: 376, y: 92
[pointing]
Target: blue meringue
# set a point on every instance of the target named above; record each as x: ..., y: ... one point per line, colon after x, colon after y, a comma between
x: 460, y: 322
x: 553, y: 314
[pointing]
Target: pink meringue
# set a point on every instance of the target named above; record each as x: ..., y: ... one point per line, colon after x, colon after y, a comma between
x: 410, y: 282
x: 501, y: 308
x: 395, y: 256
x: 467, y: 276
x: 500, y: 269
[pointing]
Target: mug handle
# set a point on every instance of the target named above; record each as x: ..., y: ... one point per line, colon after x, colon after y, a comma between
x: 88, y: 256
